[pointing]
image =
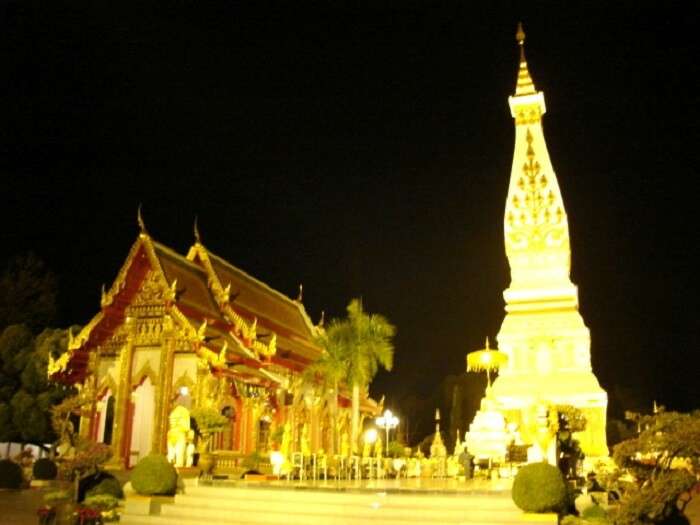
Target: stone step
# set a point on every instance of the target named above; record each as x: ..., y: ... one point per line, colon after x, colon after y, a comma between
x: 322, y: 511
x: 262, y: 519
x: 228, y: 496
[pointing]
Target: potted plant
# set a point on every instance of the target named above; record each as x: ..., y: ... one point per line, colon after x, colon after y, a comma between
x: 209, y: 421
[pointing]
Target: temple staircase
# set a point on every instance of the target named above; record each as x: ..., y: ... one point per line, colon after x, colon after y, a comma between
x: 221, y: 505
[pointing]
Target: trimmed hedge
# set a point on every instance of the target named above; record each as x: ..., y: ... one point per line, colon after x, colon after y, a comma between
x: 539, y: 487
x: 10, y: 475
x: 44, y: 468
x: 154, y: 475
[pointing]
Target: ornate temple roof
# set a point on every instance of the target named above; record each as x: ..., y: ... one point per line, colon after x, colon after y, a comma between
x: 243, y: 322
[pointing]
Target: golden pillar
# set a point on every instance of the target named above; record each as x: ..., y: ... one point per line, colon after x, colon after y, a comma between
x: 163, y: 395
x: 121, y: 406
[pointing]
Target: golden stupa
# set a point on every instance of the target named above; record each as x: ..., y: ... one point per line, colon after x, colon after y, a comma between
x: 543, y: 333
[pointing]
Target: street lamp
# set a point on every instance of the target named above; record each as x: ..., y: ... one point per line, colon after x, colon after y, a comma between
x: 387, y: 422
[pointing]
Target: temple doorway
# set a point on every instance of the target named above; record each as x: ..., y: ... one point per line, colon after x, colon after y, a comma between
x: 142, y: 422
x: 104, y: 431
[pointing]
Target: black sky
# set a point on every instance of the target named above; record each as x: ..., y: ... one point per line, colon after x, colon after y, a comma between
x: 364, y: 149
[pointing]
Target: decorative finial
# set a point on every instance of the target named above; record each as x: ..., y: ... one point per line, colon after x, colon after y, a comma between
x: 222, y: 353
x: 202, y: 330
x: 301, y: 293
x: 520, y: 34
x: 487, y: 343
x: 139, y: 219
x: 520, y: 38
x: 197, y: 237
x: 322, y: 321
x: 524, y: 84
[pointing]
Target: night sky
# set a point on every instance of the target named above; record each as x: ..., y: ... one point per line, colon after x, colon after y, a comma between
x: 364, y: 149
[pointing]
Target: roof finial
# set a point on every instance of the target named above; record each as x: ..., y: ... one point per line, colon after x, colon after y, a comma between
x: 487, y: 343
x: 197, y: 237
x: 322, y: 321
x: 301, y: 293
x: 139, y: 219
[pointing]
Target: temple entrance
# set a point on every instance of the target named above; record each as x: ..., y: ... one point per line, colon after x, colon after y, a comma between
x: 104, y: 431
x: 142, y: 421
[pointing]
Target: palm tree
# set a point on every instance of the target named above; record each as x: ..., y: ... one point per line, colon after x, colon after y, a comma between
x: 329, y: 371
x: 368, y: 339
x: 354, y: 349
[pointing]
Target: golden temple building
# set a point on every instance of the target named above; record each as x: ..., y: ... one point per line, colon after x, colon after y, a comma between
x: 176, y: 332
x: 543, y: 333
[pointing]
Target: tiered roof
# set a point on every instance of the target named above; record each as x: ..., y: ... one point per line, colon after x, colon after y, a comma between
x: 237, y: 323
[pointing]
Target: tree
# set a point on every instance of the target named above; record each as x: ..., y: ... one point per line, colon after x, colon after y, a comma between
x: 26, y: 395
x: 27, y: 293
x: 664, y: 460
x: 366, y: 341
x: 330, y: 370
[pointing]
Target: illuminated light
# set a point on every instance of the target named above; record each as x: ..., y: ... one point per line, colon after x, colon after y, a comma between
x: 371, y: 436
x: 276, y: 460
x: 387, y: 421
x: 184, y: 391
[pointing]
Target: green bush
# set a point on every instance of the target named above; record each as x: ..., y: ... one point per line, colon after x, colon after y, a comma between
x: 539, y: 487
x: 10, y: 475
x: 108, y: 486
x: 44, y: 468
x: 154, y: 475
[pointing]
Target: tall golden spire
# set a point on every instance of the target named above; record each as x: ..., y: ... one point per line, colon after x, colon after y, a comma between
x: 524, y: 84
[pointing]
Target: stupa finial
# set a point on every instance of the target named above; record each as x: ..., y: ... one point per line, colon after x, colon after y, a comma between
x: 520, y: 38
x: 524, y: 85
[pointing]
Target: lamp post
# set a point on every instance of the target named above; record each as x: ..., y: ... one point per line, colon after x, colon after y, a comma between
x: 387, y: 422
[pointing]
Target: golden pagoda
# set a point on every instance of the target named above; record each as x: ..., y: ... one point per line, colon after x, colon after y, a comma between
x: 543, y: 333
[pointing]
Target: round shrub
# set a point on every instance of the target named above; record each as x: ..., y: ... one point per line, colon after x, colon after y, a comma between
x: 154, y: 475
x: 539, y: 487
x: 108, y: 486
x: 10, y: 475
x: 44, y: 468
